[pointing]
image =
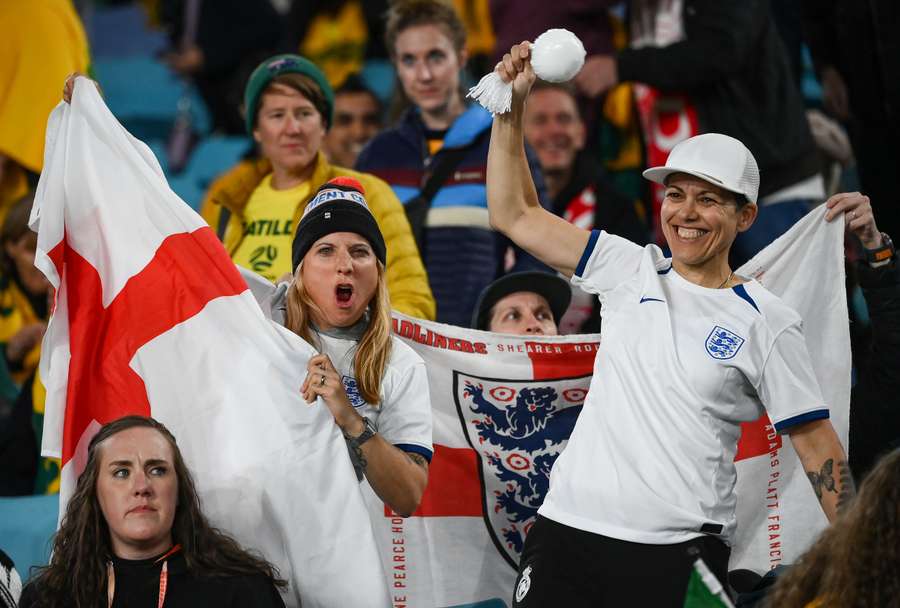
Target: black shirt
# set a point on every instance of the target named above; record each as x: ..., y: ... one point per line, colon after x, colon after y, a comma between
x: 137, y: 586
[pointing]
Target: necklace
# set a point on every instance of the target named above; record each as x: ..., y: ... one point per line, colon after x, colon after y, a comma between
x: 725, y: 282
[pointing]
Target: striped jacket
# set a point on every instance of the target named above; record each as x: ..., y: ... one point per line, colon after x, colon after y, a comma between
x: 462, y: 253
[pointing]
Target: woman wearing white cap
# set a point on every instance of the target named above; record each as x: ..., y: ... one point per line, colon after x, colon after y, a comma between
x: 689, y: 351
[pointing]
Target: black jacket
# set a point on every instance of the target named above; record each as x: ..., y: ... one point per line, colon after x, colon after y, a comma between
x: 19, y: 449
x: 614, y: 212
x: 859, y: 39
x: 875, y: 398
x: 733, y: 67
x: 137, y: 586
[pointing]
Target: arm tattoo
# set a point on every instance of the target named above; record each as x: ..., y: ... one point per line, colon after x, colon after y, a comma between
x: 823, y: 480
x: 359, y: 461
x: 357, y: 451
x: 418, y: 459
x: 848, y: 488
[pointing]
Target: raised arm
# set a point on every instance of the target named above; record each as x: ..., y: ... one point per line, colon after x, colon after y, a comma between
x: 69, y: 86
x: 512, y: 199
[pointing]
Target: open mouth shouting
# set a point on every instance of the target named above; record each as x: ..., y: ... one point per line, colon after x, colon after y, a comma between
x: 344, y: 295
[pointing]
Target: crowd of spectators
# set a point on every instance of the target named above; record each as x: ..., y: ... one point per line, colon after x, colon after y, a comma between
x: 375, y: 92
x: 435, y: 159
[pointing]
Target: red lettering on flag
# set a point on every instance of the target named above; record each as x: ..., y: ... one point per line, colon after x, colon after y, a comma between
x: 186, y: 273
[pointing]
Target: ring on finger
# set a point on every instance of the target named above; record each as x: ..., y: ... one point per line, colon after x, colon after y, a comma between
x: 322, y: 381
x: 852, y: 214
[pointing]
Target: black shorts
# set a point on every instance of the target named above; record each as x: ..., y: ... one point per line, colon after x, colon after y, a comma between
x: 563, y: 566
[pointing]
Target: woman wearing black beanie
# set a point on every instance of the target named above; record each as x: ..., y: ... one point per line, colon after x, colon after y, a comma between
x: 374, y: 385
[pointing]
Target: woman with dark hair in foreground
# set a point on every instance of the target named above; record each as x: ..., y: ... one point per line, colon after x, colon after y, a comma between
x: 134, y: 534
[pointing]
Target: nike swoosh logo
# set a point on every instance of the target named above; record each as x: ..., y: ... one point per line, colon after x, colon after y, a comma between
x: 651, y: 300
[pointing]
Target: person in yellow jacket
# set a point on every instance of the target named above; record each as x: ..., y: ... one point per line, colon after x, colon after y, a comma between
x: 256, y: 206
x: 42, y: 42
x: 24, y: 294
x: 24, y: 310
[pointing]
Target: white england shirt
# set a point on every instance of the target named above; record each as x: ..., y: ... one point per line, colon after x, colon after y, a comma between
x: 679, y: 368
x: 403, y: 417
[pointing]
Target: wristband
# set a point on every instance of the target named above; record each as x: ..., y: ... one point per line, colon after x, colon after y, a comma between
x: 368, y: 432
x: 882, y: 254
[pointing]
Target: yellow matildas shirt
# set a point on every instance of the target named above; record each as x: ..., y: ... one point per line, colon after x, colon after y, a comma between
x: 17, y: 313
x: 269, y: 230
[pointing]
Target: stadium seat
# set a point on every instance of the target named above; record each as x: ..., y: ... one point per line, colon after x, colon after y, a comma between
x: 209, y: 159
x: 378, y: 75
x: 117, y: 31
x: 187, y: 189
x: 215, y: 155
x: 146, y: 96
x: 27, y: 524
x: 810, y: 87
x: 158, y: 147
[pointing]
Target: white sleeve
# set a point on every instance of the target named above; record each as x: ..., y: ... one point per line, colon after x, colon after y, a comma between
x: 788, y: 387
x: 405, y: 421
x: 607, y: 262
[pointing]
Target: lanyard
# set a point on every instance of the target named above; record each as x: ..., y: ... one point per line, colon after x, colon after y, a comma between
x: 163, y: 578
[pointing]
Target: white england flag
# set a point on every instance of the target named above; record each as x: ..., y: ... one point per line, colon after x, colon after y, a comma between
x: 504, y: 406
x: 153, y: 318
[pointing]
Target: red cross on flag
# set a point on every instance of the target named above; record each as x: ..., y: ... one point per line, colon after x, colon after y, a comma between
x: 153, y: 318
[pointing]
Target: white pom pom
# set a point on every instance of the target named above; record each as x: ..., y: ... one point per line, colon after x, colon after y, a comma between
x: 557, y: 55
x: 492, y: 93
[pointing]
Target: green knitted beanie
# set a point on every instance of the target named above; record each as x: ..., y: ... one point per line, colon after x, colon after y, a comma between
x: 272, y: 67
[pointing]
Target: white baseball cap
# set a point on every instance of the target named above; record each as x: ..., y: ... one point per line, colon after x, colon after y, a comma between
x: 713, y: 157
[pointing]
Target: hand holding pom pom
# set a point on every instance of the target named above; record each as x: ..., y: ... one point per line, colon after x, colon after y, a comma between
x: 556, y: 56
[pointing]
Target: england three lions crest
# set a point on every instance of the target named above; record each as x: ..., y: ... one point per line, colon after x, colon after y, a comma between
x: 723, y: 344
x: 518, y: 428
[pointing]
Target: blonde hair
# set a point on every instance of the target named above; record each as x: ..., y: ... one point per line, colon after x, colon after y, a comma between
x: 374, y: 347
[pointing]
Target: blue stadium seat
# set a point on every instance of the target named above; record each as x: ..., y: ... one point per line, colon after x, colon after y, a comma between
x: 158, y: 147
x: 378, y: 75
x: 187, y: 189
x: 146, y: 96
x: 215, y: 155
x: 117, y: 31
x: 210, y: 158
x: 809, y: 85
x: 27, y: 524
